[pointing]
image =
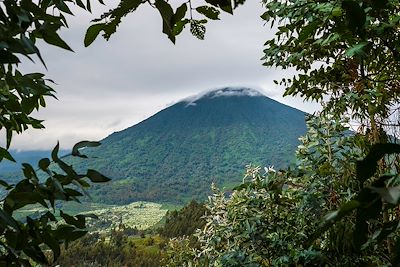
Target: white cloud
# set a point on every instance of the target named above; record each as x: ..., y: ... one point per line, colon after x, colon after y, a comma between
x: 222, y: 92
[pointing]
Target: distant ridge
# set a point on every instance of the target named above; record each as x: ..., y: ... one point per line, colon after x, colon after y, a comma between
x: 176, y: 154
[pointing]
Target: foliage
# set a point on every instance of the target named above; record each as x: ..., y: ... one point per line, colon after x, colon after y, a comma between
x: 173, y: 22
x: 122, y: 247
x: 12, y: 168
x: 180, y: 253
x: 251, y: 227
x: 254, y: 226
x: 185, y: 221
x: 28, y: 239
x: 22, y: 23
x: 269, y: 219
x: 345, y: 51
x: 380, y: 197
x: 327, y: 164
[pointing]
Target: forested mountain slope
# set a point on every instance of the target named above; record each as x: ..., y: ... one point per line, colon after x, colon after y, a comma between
x: 177, y: 153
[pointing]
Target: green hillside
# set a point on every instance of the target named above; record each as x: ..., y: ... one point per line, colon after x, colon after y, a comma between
x: 12, y: 171
x: 176, y: 154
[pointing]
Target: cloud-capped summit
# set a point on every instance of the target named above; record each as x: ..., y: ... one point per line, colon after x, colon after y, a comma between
x: 222, y: 92
x: 177, y: 153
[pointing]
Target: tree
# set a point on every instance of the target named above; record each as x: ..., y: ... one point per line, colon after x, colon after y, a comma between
x: 185, y: 221
x: 347, y: 52
x: 22, y: 23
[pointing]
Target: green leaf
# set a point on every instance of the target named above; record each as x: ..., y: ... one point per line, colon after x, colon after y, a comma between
x: 308, y: 31
x: 197, y: 29
x: 4, y: 154
x: 80, y: 4
x: 342, y: 211
x: 88, y: 6
x: 337, y: 11
x: 367, y: 167
x: 62, y: 7
x: 45, y: 4
x: 5, y: 185
x: 180, y: 13
x: 54, y: 152
x: 167, y: 15
x: 92, y: 33
x: 16, y: 200
x: 44, y: 164
x: 72, y: 193
x: 96, y: 177
x: 76, y: 234
x: 7, y: 220
x: 52, y: 243
x: 78, y: 221
x: 68, y: 233
x: 355, y: 14
x: 209, y: 12
x: 8, y: 58
x: 36, y: 254
x: 179, y: 26
x: 83, y: 144
x: 357, y: 49
x: 51, y: 37
x: 9, y: 135
x: 225, y: 5
x: 29, y: 104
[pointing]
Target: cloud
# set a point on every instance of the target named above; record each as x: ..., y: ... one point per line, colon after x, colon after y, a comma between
x: 222, y: 92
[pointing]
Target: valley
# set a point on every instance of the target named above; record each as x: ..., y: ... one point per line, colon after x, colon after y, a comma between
x: 137, y: 215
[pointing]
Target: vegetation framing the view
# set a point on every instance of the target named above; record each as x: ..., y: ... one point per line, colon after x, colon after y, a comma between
x: 346, y: 54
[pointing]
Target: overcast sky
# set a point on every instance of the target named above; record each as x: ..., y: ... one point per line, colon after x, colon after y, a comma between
x: 113, y: 85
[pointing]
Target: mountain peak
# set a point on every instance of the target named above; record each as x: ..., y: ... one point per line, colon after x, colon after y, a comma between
x: 178, y: 152
x: 222, y: 92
